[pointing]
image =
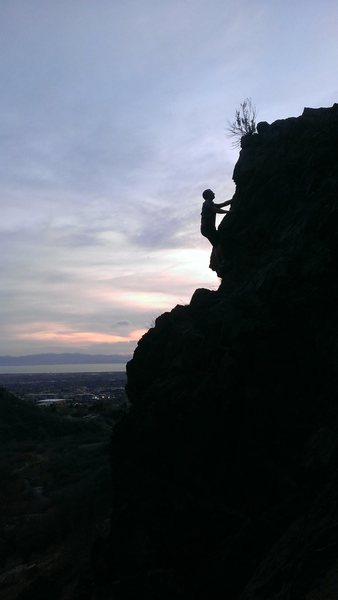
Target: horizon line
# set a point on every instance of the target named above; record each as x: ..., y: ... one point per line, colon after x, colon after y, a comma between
x: 63, y: 358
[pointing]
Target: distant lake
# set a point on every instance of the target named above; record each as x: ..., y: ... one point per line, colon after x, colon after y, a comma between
x: 93, y: 368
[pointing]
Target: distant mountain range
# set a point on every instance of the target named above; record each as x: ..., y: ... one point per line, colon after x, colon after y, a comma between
x: 63, y: 359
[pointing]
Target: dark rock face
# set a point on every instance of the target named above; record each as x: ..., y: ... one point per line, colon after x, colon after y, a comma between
x: 225, y: 469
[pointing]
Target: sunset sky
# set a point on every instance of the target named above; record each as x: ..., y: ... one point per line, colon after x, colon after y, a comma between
x: 113, y: 121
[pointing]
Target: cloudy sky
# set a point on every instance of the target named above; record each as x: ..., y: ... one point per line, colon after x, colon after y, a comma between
x: 113, y: 121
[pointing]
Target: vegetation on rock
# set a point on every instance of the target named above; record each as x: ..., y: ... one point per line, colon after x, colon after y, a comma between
x: 244, y: 122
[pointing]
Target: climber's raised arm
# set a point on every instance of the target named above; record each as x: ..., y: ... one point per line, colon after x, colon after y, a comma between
x: 226, y: 203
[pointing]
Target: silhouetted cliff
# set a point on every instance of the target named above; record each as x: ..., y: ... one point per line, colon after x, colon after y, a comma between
x: 225, y: 469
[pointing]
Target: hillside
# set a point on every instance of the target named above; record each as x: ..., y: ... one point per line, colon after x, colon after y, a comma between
x: 55, y: 499
x: 225, y: 469
x: 22, y: 421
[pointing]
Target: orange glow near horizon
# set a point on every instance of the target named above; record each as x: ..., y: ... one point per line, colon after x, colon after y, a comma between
x: 48, y: 333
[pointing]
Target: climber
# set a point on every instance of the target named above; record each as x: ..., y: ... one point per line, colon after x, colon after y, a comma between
x: 208, y: 214
x: 208, y: 228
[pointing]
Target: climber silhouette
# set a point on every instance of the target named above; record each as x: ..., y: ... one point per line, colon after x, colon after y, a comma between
x: 208, y: 226
x: 208, y: 216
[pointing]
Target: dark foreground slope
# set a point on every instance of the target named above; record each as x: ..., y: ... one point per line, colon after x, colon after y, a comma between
x: 54, y: 499
x: 225, y: 469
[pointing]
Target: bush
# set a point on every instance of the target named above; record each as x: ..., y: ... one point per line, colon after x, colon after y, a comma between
x: 244, y: 122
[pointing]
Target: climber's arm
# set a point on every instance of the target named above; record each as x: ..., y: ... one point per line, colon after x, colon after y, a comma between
x: 226, y: 203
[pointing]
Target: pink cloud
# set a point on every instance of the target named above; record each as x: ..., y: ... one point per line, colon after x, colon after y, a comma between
x: 55, y: 332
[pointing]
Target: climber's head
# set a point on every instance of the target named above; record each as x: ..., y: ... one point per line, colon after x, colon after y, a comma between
x: 208, y: 195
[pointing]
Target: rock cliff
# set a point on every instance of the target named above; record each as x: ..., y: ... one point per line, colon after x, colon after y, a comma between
x: 225, y: 469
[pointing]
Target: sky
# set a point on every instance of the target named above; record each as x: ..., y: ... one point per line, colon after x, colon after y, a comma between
x: 113, y: 120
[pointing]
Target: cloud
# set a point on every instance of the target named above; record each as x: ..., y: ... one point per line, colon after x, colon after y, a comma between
x: 121, y: 324
x: 61, y: 334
